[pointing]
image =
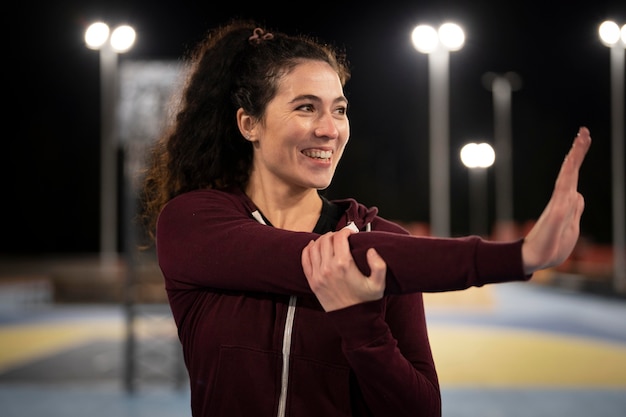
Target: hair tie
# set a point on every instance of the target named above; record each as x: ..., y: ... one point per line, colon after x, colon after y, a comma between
x: 259, y: 35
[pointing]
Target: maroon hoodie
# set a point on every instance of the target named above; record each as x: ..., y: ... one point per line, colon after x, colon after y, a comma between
x: 257, y: 342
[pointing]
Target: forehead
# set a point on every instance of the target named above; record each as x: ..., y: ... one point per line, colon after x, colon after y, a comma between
x: 310, y: 75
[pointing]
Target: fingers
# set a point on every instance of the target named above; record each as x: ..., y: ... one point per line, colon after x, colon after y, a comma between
x: 352, y: 227
x: 341, y: 246
x: 579, y: 149
x: 326, y: 247
x: 568, y: 175
x: 319, y: 254
x: 306, y: 259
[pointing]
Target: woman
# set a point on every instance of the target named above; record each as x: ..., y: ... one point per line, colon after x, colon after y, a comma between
x: 288, y: 304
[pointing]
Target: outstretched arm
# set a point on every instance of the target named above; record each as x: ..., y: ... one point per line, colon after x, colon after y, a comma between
x: 548, y: 244
x: 554, y: 235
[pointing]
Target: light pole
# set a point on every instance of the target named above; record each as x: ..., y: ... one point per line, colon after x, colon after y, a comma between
x: 502, y: 86
x: 478, y: 157
x: 437, y: 44
x: 615, y: 39
x: 99, y: 37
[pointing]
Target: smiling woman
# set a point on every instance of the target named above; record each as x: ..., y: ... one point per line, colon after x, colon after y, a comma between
x: 304, y: 305
x: 299, y: 141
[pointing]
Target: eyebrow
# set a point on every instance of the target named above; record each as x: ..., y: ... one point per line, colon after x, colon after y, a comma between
x: 316, y: 98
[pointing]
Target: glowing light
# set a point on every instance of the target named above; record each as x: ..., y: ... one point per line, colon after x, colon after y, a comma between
x: 451, y: 36
x: 427, y: 39
x: 123, y: 38
x: 610, y: 33
x: 96, y: 35
x: 478, y: 155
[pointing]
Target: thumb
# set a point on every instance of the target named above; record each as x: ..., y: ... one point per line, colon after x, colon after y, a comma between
x: 378, y: 268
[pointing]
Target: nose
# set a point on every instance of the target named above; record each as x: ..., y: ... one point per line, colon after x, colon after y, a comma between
x: 327, y: 127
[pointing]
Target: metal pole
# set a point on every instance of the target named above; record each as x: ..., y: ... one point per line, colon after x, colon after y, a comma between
x: 438, y: 65
x: 501, y: 88
x: 617, y: 162
x: 128, y: 205
x: 108, y: 154
x: 478, y: 201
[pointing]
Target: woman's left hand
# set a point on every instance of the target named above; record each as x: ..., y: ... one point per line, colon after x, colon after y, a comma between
x: 333, y: 275
x: 554, y: 235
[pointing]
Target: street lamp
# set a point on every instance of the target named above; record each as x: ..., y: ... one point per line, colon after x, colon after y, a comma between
x: 615, y: 38
x: 502, y: 86
x: 478, y: 157
x: 99, y: 37
x: 437, y: 44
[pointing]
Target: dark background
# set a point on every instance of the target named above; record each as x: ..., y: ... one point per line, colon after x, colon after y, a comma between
x: 50, y: 174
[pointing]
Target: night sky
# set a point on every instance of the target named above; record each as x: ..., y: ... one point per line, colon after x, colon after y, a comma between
x: 51, y: 148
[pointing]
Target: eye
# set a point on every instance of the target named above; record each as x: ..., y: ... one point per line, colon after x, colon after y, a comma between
x: 341, y: 110
x: 306, y: 107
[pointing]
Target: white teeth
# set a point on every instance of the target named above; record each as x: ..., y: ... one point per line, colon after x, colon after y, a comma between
x: 317, y: 154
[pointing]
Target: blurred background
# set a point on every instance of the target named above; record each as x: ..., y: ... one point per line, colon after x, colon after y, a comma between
x: 526, y: 76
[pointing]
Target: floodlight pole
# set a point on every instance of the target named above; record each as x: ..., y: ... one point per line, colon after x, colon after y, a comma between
x: 108, y: 154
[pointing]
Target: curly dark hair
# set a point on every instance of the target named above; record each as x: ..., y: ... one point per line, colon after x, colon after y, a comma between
x: 228, y: 70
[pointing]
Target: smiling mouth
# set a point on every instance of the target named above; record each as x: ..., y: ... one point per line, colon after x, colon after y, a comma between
x: 317, y: 154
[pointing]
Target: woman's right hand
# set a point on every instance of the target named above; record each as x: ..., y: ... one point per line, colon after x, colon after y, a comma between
x: 333, y: 275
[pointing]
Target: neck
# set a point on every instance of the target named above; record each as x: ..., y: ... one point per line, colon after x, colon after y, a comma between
x: 296, y: 211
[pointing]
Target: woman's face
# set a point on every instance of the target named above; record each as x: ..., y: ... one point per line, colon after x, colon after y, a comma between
x: 304, y: 131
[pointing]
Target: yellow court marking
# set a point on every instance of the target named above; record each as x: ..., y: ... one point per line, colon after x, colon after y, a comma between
x: 487, y: 356
x: 24, y: 343
x: 475, y: 298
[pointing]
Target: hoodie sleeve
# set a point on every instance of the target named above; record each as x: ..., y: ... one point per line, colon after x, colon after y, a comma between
x: 387, y: 346
x: 208, y: 238
x: 426, y: 264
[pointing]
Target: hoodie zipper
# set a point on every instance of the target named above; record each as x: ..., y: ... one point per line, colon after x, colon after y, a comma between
x: 291, y: 312
x: 282, y: 400
x: 286, y: 350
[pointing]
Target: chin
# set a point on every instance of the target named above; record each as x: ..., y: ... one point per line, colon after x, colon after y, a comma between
x: 321, y: 185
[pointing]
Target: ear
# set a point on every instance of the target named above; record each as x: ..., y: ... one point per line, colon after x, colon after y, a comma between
x: 246, y: 124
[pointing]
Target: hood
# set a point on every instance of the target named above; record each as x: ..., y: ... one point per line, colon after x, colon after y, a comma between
x: 355, y: 212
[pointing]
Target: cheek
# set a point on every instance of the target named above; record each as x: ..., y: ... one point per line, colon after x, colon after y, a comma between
x: 346, y: 131
x: 340, y: 149
x: 345, y: 136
